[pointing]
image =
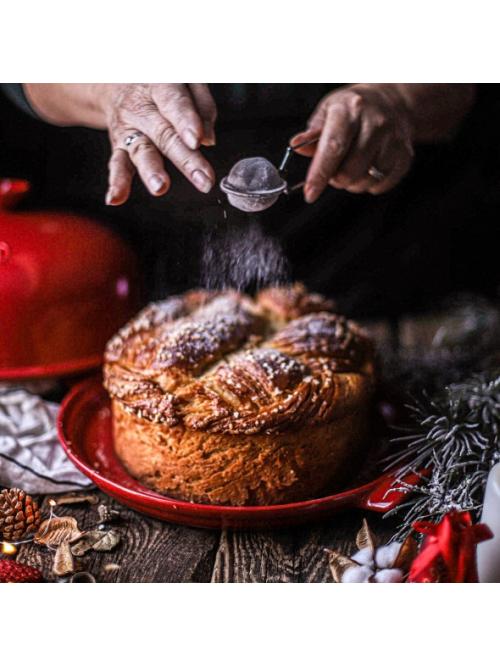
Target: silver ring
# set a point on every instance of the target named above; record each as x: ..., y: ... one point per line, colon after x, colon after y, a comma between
x: 129, y: 140
x: 376, y: 173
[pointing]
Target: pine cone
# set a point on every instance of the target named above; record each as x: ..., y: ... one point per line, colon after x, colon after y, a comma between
x: 15, y: 572
x: 19, y: 515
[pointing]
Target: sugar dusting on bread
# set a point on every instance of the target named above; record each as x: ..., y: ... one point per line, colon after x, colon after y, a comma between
x: 223, y: 398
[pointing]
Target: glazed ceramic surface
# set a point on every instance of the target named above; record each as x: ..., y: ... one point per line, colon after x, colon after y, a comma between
x: 85, y: 432
x: 67, y: 284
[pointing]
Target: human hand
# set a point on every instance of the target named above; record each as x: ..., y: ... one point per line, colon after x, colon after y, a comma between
x: 160, y: 120
x: 364, y: 143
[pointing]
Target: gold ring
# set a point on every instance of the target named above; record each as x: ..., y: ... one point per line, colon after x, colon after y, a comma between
x: 376, y: 173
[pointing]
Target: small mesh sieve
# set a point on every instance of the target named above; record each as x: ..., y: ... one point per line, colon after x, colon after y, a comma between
x: 255, y: 184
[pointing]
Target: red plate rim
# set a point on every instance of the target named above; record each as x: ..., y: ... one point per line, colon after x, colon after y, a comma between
x: 360, y: 495
x: 59, y: 369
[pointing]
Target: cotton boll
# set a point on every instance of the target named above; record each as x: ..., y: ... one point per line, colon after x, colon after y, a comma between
x: 388, y: 576
x: 385, y: 556
x: 364, y: 556
x: 357, y: 575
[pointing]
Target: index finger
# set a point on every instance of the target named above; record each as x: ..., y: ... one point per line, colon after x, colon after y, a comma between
x: 176, y: 105
x: 338, y: 133
x: 305, y: 143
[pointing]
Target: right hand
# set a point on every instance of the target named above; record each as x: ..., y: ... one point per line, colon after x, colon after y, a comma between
x: 173, y: 121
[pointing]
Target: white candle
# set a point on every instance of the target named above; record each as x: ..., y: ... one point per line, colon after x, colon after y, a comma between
x: 488, y: 552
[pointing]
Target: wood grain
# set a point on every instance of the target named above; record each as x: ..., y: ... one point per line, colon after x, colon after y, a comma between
x: 152, y: 551
x: 290, y: 556
x: 149, y: 551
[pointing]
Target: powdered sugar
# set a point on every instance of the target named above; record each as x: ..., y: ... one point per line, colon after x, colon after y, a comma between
x: 242, y: 256
x: 215, y: 328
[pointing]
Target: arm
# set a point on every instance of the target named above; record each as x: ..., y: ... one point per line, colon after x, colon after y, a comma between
x: 366, y: 132
x: 64, y: 104
x: 165, y: 120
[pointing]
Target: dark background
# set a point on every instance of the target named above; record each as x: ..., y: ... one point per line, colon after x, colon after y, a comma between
x: 436, y: 233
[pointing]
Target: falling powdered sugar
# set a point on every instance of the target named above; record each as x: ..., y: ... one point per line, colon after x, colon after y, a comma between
x: 243, y: 257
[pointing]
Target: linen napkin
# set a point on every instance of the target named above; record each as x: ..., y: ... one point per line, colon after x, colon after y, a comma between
x: 31, y: 456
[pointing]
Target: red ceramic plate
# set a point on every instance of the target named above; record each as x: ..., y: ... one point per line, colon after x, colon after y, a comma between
x: 85, y: 431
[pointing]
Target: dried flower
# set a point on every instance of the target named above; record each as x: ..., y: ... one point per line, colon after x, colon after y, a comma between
x: 108, y: 541
x: 63, y: 560
x: 96, y: 540
x: 54, y: 531
x: 86, y: 542
x: 107, y: 514
x: 372, y: 563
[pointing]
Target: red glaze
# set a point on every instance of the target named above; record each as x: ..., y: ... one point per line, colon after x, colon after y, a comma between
x: 85, y: 432
x: 66, y: 285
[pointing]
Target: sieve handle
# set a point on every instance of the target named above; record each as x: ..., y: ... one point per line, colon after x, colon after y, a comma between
x: 295, y: 187
x: 289, y: 152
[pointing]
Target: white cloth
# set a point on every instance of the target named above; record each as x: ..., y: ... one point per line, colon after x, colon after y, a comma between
x: 31, y: 456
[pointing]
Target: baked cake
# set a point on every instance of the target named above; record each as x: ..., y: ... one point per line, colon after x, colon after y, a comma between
x: 221, y: 398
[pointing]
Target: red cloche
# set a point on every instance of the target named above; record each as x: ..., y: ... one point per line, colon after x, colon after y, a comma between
x: 67, y: 284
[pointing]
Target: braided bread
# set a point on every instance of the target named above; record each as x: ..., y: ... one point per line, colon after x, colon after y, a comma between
x: 220, y: 398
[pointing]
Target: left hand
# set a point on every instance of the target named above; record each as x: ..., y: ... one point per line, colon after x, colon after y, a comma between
x: 365, y: 141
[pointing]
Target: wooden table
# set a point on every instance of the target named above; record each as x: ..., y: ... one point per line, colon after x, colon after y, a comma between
x: 152, y: 551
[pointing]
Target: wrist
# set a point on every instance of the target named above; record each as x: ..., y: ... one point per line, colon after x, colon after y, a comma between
x: 69, y: 104
x: 102, y: 99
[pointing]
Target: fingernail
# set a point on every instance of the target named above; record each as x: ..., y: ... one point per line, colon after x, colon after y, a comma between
x: 202, y: 181
x: 311, y: 193
x: 296, y: 139
x: 110, y: 197
x: 190, y: 139
x: 209, y: 135
x: 156, y: 183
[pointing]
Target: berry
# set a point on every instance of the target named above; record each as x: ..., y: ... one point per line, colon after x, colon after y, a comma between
x: 15, y: 572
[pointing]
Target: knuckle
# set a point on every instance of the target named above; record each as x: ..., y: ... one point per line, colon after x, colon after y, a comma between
x: 167, y: 139
x: 343, y: 180
x: 379, y: 121
x: 188, y: 165
x: 336, y: 146
x: 175, y: 102
x: 355, y: 102
x: 140, y: 148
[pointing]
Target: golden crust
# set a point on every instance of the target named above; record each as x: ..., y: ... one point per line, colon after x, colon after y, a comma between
x: 240, y: 470
x: 273, y: 391
x: 216, y: 362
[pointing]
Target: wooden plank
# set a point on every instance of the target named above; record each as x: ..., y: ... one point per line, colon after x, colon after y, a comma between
x: 150, y: 550
x: 291, y: 556
x: 255, y: 557
x: 153, y: 551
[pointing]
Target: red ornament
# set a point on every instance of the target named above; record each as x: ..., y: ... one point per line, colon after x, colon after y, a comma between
x: 15, y: 572
x: 448, y: 554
